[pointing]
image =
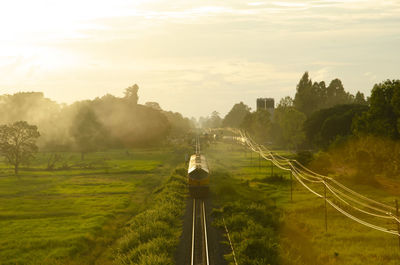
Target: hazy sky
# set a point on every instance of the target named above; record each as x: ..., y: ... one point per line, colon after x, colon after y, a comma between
x: 195, y: 56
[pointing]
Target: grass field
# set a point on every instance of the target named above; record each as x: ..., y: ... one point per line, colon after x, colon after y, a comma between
x: 301, y: 233
x: 73, y: 214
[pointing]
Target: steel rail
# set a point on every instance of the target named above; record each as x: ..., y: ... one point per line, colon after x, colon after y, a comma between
x: 193, y: 228
x: 204, y: 234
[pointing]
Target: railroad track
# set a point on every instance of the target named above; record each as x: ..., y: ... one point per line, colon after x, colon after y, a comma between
x: 199, y: 250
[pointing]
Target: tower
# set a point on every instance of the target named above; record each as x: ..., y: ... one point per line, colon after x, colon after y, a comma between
x: 266, y: 104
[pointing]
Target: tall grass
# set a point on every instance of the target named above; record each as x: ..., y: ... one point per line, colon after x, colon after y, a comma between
x: 153, y: 235
x: 300, y: 231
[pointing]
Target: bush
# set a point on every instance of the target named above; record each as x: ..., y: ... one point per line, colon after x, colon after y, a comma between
x: 152, y: 235
x: 252, y: 227
x: 304, y: 157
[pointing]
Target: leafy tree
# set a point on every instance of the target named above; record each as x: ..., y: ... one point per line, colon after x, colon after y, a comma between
x: 258, y: 124
x: 311, y: 97
x: 336, y: 95
x: 383, y: 116
x: 153, y: 105
x: 213, y: 121
x: 179, y: 125
x: 131, y: 94
x: 360, y: 99
x: 18, y: 142
x: 87, y: 131
x: 325, y: 125
x: 285, y: 102
x: 289, y: 126
x: 305, y: 99
x: 236, y: 115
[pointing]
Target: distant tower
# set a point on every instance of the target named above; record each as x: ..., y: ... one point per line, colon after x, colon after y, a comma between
x: 266, y: 104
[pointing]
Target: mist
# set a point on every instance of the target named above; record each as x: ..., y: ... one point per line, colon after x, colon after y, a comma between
x: 121, y: 121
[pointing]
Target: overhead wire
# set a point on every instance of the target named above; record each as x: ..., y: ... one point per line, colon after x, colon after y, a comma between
x: 302, y: 173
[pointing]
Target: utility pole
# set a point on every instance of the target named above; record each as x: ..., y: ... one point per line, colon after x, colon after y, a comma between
x: 326, y: 212
x: 397, y: 214
x: 291, y: 186
x: 272, y: 169
x: 259, y: 161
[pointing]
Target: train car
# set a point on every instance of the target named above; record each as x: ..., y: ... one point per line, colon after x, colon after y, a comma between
x: 198, y: 176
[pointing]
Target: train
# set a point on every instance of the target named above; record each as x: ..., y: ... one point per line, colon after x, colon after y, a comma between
x: 198, y: 175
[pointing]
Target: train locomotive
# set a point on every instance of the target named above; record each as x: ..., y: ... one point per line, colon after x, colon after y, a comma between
x: 198, y: 176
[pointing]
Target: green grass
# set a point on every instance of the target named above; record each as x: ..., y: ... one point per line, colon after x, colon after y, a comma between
x: 74, y: 215
x: 153, y: 235
x: 301, y: 233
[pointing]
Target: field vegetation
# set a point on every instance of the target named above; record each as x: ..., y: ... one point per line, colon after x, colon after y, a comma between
x: 251, y: 201
x: 74, y: 212
x: 153, y: 235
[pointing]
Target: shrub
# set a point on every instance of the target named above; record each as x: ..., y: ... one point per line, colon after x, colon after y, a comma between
x: 152, y: 235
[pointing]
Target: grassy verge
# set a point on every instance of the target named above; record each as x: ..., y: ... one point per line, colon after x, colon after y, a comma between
x: 153, y: 235
x: 300, y: 231
x: 250, y: 216
x: 73, y: 216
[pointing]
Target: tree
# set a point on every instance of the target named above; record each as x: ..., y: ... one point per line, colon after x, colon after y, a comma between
x: 215, y: 120
x: 325, y: 125
x: 258, y: 124
x: 383, y: 116
x: 289, y: 126
x: 131, y: 94
x: 336, y: 94
x: 285, y: 102
x: 311, y: 97
x: 179, y: 125
x: 236, y: 115
x: 153, y: 105
x: 88, y: 133
x: 360, y: 99
x: 306, y: 98
x: 18, y: 143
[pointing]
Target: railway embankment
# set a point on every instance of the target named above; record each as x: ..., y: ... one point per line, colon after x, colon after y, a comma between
x: 152, y: 236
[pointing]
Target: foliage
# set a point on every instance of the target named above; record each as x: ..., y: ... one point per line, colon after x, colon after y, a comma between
x: 153, y: 235
x: 258, y: 124
x: 130, y: 124
x: 305, y: 99
x: 18, y: 142
x: 252, y: 229
x: 311, y: 97
x: 362, y: 158
x: 360, y: 99
x: 74, y: 216
x: 326, y: 125
x: 212, y: 121
x: 383, y: 116
x: 131, y: 94
x: 304, y: 157
x: 236, y: 115
x: 288, y: 130
x: 251, y: 218
x: 301, y: 232
x: 179, y: 126
x: 126, y: 122
x: 88, y: 133
x: 34, y: 108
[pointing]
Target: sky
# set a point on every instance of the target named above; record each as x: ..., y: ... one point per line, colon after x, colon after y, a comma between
x: 195, y: 56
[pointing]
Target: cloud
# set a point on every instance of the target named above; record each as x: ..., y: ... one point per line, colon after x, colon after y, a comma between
x: 179, y: 50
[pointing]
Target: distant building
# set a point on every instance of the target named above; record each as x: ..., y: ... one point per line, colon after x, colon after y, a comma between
x: 266, y: 104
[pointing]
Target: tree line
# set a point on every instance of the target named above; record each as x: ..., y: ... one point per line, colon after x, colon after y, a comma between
x: 319, y: 115
x: 31, y: 121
